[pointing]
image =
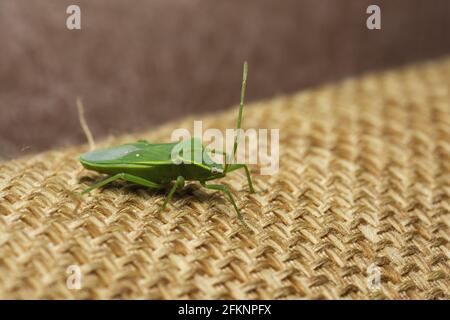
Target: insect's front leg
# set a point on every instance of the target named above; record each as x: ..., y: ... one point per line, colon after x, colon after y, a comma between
x: 237, y: 166
x: 249, y: 178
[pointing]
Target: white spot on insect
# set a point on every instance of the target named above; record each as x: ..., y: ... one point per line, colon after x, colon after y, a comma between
x: 138, y: 155
x: 216, y: 170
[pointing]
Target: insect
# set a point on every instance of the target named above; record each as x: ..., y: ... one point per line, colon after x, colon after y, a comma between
x: 151, y: 165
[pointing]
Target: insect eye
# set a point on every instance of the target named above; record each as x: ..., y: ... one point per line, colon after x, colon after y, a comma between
x: 216, y: 170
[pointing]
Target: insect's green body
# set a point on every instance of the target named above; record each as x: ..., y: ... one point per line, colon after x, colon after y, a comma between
x: 149, y: 161
x: 154, y: 162
x: 153, y: 165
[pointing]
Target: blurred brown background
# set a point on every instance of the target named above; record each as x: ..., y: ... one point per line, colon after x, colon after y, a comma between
x: 139, y: 63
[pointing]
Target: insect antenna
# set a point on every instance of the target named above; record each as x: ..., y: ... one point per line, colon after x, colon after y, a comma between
x: 239, y: 119
x: 84, y: 125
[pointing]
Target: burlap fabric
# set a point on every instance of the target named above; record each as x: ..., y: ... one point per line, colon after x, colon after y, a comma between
x: 363, y: 185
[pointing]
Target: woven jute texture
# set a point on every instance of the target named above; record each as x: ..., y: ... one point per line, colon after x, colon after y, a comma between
x: 363, y: 190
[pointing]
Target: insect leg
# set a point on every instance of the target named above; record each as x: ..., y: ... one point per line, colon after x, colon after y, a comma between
x: 249, y: 179
x: 223, y: 188
x: 101, y: 183
x: 233, y: 167
x: 138, y: 180
x: 179, y: 183
x: 126, y: 177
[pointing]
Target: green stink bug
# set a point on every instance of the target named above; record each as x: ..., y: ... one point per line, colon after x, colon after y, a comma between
x: 152, y: 165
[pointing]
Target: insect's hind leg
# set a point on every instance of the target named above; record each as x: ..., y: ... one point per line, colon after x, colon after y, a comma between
x: 223, y: 188
x: 126, y: 177
x: 179, y: 183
